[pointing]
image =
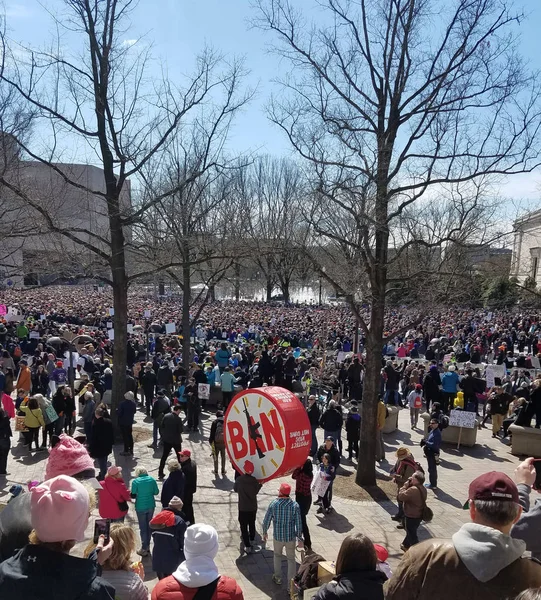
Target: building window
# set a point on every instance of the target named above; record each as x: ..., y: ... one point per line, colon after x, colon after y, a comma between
x: 534, y: 267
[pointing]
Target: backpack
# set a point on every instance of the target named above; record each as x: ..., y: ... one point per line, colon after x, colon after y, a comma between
x: 219, y: 434
x: 416, y: 465
x: 306, y: 576
x: 444, y: 422
x: 89, y: 366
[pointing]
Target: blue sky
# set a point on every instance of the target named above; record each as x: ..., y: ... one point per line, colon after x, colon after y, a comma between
x: 178, y: 29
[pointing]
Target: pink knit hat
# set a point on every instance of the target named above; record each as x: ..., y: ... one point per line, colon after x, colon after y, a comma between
x: 68, y: 457
x: 59, y: 509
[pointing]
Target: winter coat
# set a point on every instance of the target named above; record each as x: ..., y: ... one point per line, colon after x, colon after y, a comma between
x: 160, y: 408
x: 15, y: 526
x: 127, y: 584
x: 332, y: 452
x: 32, y: 417
x: 164, y: 377
x: 479, y: 562
x: 168, y: 550
x: 189, y: 468
x: 113, y: 491
x: 171, y: 429
x: 126, y: 413
x: 88, y: 411
x: 170, y: 589
x: 24, y: 381
x: 102, y: 438
x: 331, y: 420
x: 144, y: 488
x: 353, y: 426
x: 56, y: 575
x: 449, y: 382
x: 313, y: 415
x: 528, y: 527
x: 356, y: 585
x: 414, y: 499
x: 247, y: 487
x: 173, y: 486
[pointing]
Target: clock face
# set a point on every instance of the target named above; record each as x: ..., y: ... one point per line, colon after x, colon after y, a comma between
x: 255, y: 432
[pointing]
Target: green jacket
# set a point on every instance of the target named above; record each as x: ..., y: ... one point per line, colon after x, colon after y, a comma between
x: 144, y: 488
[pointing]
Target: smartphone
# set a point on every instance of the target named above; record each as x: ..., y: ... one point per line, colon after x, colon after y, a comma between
x: 537, y: 483
x: 102, y: 527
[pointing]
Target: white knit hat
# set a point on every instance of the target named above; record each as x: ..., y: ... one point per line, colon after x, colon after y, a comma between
x: 200, y: 540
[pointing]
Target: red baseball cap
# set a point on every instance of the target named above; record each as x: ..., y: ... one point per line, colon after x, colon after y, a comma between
x: 285, y: 489
x: 185, y: 452
x: 493, y: 486
x: 249, y: 467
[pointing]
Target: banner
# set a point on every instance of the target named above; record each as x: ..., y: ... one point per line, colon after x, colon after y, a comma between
x: 203, y: 391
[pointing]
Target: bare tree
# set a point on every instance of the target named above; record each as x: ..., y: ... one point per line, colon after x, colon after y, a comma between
x: 392, y: 107
x: 99, y: 99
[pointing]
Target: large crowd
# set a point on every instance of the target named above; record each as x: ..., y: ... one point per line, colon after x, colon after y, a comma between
x: 56, y: 382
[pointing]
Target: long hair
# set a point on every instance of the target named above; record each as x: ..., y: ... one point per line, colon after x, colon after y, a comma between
x: 308, y: 468
x: 123, y: 537
x: 357, y: 553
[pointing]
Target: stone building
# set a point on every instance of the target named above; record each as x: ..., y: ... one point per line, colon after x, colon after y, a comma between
x: 526, y: 261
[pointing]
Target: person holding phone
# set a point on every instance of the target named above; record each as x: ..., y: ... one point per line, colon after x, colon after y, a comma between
x: 44, y: 569
x: 528, y: 527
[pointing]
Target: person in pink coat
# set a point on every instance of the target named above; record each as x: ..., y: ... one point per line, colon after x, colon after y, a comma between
x: 114, y: 496
x: 8, y: 406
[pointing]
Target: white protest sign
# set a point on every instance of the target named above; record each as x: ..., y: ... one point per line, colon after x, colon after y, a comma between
x: 203, y: 391
x: 34, y: 335
x: 535, y: 362
x: 112, y: 312
x: 147, y: 314
x: 170, y: 328
x: 109, y: 325
x: 130, y: 328
x: 42, y: 318
x: 111, y: 334
x: 493, y: 371
x: 462, y: 418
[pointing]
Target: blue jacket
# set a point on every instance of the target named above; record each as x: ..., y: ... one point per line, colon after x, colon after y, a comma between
x: 173, y: 486
x: 126, y: 411
x: 168, y: 550
x: 433, y: 440
x: 449, y: 382
x: 222, y: 357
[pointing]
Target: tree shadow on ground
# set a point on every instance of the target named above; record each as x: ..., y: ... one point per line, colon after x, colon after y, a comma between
x: 479, y: 451
x: 398, y: 435
x: 445, y: 464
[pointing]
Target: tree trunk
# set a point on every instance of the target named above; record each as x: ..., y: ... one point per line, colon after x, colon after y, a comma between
x: 284, y: 286
x: 212, y: 292
x: 186, y: 325
x: 120, y: 318
x: 269, y: 290
x: 237, y: 282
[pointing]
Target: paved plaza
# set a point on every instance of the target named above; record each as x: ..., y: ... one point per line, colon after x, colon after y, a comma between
x: 216, y: 503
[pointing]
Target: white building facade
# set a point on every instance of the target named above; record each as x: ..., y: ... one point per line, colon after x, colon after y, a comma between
x: 526, y: 260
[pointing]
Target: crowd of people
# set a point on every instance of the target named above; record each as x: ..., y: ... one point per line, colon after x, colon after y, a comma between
x: 478, y: 361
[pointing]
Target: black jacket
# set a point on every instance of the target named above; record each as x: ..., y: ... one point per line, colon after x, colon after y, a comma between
x: 189, y: 468
x: 165, y: 376
x: 171, y: 429
x: 357, y: 585
x: 313, y: 415
x: 56, y: 575
x: 331, y: 420
x: 159, y: 408
x: 247, y: 487
x: 333, y: 453
x: 102, y: 437
x: 15, y: 526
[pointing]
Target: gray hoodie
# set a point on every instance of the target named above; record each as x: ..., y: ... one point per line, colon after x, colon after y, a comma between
x: 486, y: 551
x: 528, y: 527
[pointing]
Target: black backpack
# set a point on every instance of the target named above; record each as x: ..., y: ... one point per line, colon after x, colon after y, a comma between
x: 444, y: 422
x: 306, y: 576
x: 89, y: 365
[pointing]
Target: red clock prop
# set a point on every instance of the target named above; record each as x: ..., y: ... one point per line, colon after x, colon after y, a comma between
x: 269, y: 428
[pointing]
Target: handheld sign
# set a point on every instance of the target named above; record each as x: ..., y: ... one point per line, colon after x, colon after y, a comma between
x: 269, y: 428
x: 3, y: 309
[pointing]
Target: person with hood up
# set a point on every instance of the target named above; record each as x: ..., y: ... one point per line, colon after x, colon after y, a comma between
x: 481, y: 561
x: 114, y: 496
x: 43, y: 569
x: 353, y: 431
x: 168, y: 528
x: 357, y: 576
x: 198, y: 570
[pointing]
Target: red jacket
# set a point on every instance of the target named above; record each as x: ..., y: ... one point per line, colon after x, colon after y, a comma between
x: 113, y: 492
x: 8, y: 405
x: 170, y: 589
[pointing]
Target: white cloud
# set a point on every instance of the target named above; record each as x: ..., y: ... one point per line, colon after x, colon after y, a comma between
x: 129, y: 43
